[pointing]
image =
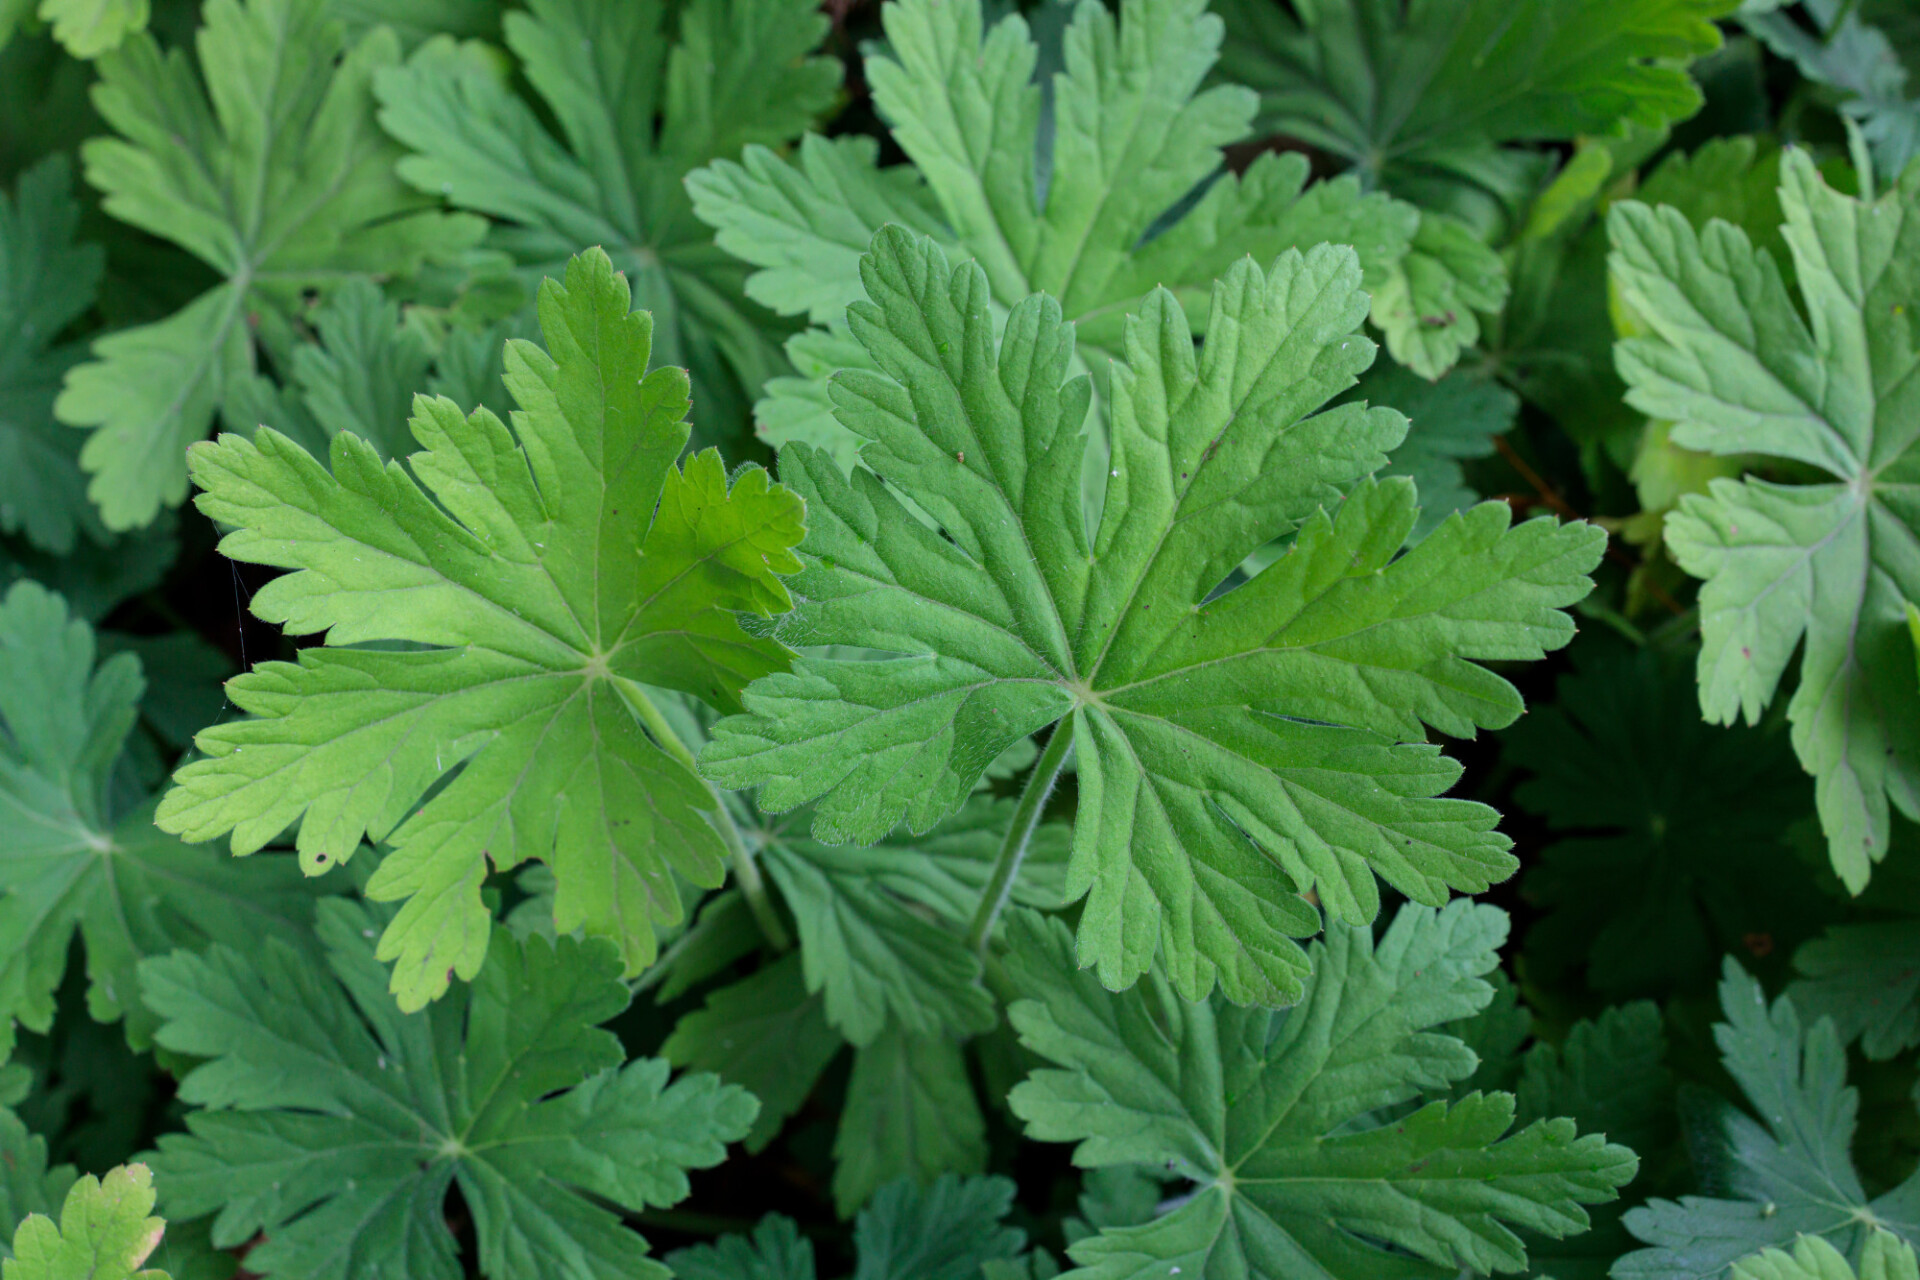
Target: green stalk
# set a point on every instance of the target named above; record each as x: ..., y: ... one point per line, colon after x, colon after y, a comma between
x: 746, y: 872
x: 1013, y: 850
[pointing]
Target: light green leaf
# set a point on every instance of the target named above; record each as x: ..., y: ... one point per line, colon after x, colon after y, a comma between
x: 337, y: 1125
x: 89, y: 28
x: 1133, y: 194
x: 1294, y: 1126
x: 103, y: 1234
x: 1785, y: 1175
x: 46, y: 282
x: 1886, y: 1257
x: 203, y: 160
x: 1231, y: 754
x: 532, y: 625
x: 73, y: 861
x: 910, y: 1113
x: 1732, y: 364
x: 636, y: 111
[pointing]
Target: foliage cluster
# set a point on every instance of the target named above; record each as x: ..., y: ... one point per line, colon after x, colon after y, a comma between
x: 946, y: 640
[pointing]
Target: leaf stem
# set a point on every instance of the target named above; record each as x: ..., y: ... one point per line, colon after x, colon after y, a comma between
x: 1013, y: 849
x: 746, y: 872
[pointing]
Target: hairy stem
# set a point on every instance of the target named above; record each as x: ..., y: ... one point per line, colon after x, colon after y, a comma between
x: 746, y: 872
x: 1013, y: 850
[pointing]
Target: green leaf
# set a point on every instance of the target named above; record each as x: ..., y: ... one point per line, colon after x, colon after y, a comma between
x: 765, y: 1033
x: 946, y: 1231
x: 46, y: 282
x: 775, y: 1251
x: 1232, y: 754
x: 1293, y: 1125
x: 1610, y: 1077
x: 76, y: 859
x: 1672, y: 845
x: 1423, y: 97
x: 362, y: 374
x: 1732, y: 364
x: 871, y: 918
x: 1133, y: 194
x: 1450, y: 421
x: 338, y: 1126
x: 910, y: 1112
x: 1866, y: 978
x: 89, y: 28
x: 203, y: 160
x: 533, y: 626
x: 1886, y: 1257
x: 420, y: 20
x: 636, y: 112
x: 1496, y: 1034
x: 1845, y: 51
x: 103, y: 1234
x: 1785, y: 1175
x: 96, y: 577
x: 27, y: 1186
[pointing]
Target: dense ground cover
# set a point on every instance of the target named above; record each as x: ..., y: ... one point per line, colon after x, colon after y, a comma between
x: 930, y: 639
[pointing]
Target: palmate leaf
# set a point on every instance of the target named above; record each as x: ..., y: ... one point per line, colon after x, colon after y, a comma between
x: 1294, y: 1125
x: 104, y: 1232
x: 636, y: 112
x: 1126, y: 140
x: 338, y: 1126
x: 204, y: 160
x: 1731, y: 363
x: 946, y: 1231
x: 46, y: 281
x: 1421, y: 95
x: 539, y: 588
x: 1232, y: 755
x: 1790, y: 1172
x: 1672, y: 846
x: 75, y: 862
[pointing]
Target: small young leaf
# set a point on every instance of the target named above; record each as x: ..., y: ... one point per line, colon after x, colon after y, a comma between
x: 104, y: 1233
